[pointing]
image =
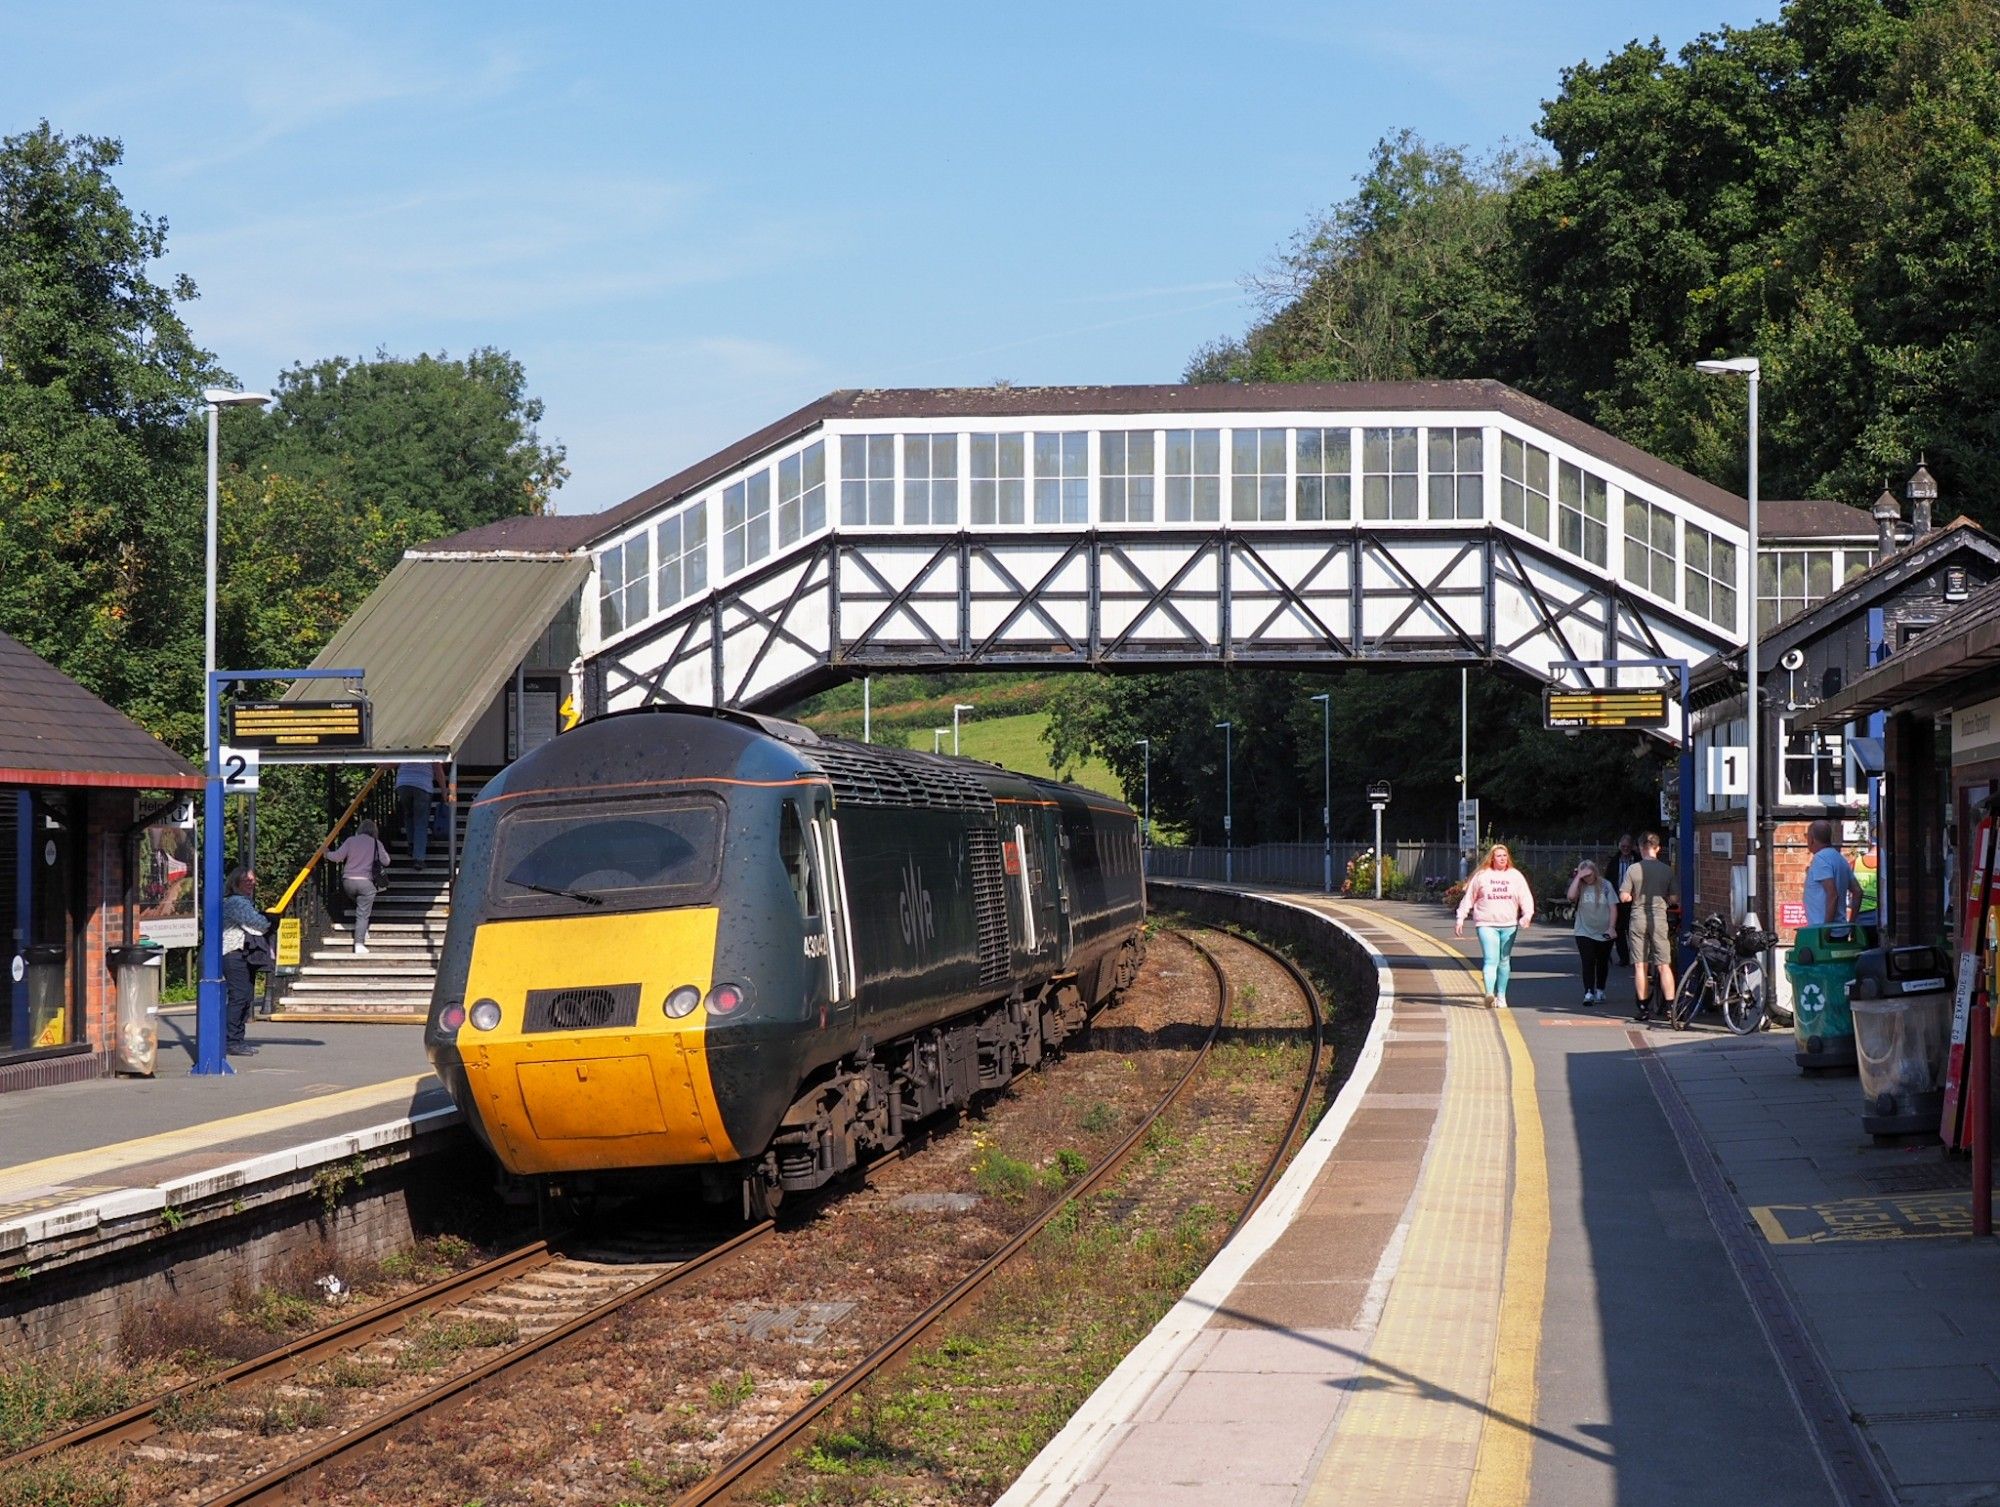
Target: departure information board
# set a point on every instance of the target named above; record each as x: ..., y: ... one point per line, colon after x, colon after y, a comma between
x: 299, y: 724
x: 1613, y: 709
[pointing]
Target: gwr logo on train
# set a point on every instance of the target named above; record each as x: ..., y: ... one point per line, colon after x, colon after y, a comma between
x: 919, y: 922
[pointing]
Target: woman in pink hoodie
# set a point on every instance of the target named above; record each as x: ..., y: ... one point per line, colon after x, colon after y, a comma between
x: 1498, y: 900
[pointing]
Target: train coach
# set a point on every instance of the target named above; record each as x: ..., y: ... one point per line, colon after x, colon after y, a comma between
x: 719, y: 942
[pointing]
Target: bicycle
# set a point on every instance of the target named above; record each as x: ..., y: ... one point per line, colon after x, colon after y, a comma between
x: 1727, y: 975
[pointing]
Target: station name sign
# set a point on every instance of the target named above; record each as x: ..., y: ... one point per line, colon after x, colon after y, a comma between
x: 1605, y: 709
x: 299, y: 724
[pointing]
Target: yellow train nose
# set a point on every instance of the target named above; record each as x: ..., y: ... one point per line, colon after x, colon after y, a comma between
x: 584, y: 1069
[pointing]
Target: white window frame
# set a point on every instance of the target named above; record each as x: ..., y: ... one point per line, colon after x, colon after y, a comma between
x: 1461, y: 485
x: 1331, y: 482
x: 1193, y: 495
x: 1061, y: 462
x: 930, y: 493
x: 1388, y: 508
x: 1125, y: 479
x: 680, y: 545
x: 1257, y: 494
x: 797, y: 510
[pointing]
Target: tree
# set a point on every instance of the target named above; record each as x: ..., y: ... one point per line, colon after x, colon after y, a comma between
x: 100, y: 464
x: 453, y: 440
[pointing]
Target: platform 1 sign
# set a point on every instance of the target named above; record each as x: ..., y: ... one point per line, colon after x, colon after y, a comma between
x: 299, y: 724
x: 1604, y: 709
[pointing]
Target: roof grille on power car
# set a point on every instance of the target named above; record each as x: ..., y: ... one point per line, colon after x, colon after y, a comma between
x: 588, y: 1009
x: 865, y: 776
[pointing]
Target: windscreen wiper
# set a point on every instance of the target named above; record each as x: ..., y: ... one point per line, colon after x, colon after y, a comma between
x: 584, y: 895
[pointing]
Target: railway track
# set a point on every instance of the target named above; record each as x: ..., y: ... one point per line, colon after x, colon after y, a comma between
x: 552, y: 1304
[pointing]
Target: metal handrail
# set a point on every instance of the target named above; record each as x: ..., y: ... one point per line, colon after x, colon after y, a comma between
x: 326, y: 843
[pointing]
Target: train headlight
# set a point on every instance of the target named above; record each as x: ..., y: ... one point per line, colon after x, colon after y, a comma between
x: 452, y: 1016
x: 682, y: 1001
x: 723, y: 999
x: 486, y: 1014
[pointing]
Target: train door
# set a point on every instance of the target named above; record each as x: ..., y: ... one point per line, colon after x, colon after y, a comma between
x: 806, y: 847
x: 846, y: 978
x: 1044, y: 901
x: 1055, y: 841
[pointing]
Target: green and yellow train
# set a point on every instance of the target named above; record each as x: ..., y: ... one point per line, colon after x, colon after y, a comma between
x: 720, y: 942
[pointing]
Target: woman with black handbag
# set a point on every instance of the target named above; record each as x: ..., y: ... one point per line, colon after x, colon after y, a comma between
x: 245, y: 945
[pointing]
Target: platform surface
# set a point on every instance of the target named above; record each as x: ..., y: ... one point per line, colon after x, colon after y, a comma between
x: 308, y: 1085
x: 1549, y: 1256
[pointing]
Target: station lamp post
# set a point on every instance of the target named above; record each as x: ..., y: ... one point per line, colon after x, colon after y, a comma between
x: 1228, y: 732
x: 1745, y: 366
x: 1146, y: 810
x: 1325, y: 701
x: 209, y: 1058
x: 937, y: 739
x: 957, y: 707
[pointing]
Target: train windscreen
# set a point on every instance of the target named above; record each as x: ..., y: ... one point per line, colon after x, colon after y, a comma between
x: 621, y: 856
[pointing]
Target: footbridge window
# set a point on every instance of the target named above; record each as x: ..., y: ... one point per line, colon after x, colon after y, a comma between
x: 867, y: 480
x: 683, y: 555
x: 1125, y: 476
x: 1524, y: 485
x: 1389, y: 473
x: 999, y: 479
x: 1062, y: 477
x: 624, y: 582
x: 1257, y: 475
x: 930, y: 478
x: 802, y: 493
x: 1194, y: 476
x: 1582, y: 523
x: 1649, y: 547
x: 746, y: 521
x: 1325, y: 486
x: 1711, y: 577
x: 1457, y: 473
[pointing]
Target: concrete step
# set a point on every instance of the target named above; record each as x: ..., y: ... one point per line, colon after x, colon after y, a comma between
x: 356, y: 1011
x: 305, y: 985
x: 380, y: 950
x: 370, y: 967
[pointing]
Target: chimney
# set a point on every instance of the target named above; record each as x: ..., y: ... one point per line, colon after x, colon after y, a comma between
x: 1887, y: 513
x: 1922, y: 491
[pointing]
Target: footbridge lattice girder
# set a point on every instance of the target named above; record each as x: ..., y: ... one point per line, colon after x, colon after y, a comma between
x: 853, y: 602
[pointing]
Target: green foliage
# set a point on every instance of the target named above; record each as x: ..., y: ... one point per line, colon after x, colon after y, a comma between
x: 100, y: 459
x: 1361, y: 875
x: 40, y: 1396
x: 63, y: 1482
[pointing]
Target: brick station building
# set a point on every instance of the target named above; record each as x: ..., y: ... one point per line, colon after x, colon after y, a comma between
x: 1809, y: 767
x: 80, y: 783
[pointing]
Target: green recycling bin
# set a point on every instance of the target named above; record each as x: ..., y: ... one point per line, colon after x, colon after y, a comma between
x: 1820, y: 967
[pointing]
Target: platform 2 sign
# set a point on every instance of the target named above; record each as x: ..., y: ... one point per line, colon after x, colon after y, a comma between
x: 299, y: 724
x: 1563, y: 710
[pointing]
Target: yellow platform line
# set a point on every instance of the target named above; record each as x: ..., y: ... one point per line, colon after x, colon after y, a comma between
x: 76, y: 1166
x: 1504, y: 1460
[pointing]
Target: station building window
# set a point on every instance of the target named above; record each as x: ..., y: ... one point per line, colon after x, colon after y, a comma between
x: 867, y: 480
x: 999, y: 479
x: 802, y: 493
x: 1389, y: 473
x: 1125, y: 476
x: 1324, y: 489
x: 1583, y: 513
x: 930, y: 478
x: 1194, y: 475
x: 1649, y: 547
x: 1062, y: 477
x: 746, y: 521
x: 1524, y: 485
x: 1457, y: 473
x: 683, y: 554
x: 624, y: 584
x: 1816, y: 767
x: 1711, y: 577
x: 1257, y: 475
x: 1791, y: 580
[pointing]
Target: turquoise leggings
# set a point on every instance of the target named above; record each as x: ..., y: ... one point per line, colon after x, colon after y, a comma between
x: 1496, y: 956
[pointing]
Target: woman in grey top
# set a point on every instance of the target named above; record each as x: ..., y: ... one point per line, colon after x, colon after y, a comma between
x: 240, y: 917
x: 361, y: 858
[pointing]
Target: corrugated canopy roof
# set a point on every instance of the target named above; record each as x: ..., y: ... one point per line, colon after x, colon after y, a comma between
x: 439, y: 637
x: 54, y: 732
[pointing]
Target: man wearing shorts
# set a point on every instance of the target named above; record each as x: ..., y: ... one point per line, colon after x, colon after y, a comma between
x: 1646, y: 886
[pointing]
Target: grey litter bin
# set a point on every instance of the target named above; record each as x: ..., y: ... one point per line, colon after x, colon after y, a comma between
x: 1902, y: 1002
x: 136, y: 971
x: 48, y: 995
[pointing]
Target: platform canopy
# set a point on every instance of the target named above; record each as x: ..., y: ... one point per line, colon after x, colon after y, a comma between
x: 439, y: 638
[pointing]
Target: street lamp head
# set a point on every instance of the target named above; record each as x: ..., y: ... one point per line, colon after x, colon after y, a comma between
x: 1222, y: 726
x: 1142, y: 742
x: 1730, y: 366
x: 223, y: 397
x: 964, y: 706
x: 1324, y: 696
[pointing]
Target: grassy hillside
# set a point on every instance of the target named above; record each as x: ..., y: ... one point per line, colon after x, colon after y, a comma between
x: 1016, y: 743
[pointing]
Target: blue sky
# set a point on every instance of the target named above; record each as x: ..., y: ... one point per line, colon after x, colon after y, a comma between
x: 686, y: 220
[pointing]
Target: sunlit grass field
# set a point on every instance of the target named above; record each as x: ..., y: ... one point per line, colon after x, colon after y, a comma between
x: 1016, y: 743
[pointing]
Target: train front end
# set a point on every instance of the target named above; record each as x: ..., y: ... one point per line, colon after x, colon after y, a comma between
x: 579, y: 999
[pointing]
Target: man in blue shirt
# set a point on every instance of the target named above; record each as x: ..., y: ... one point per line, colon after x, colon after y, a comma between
x: 1832, y: 892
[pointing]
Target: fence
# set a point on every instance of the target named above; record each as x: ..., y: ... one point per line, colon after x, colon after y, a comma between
x: 1301, y: 864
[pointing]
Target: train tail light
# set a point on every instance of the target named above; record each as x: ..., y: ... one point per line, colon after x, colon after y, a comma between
x: 682, y: 1002
x: 451, y: 1017
x: 724, y: 999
